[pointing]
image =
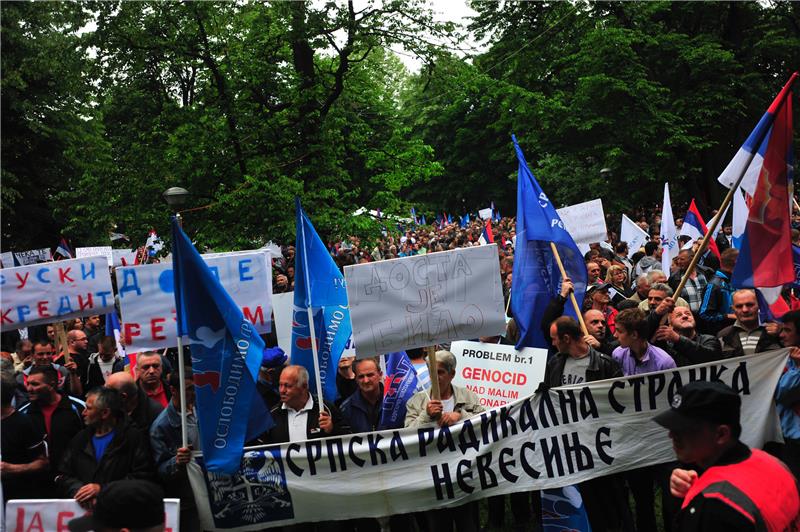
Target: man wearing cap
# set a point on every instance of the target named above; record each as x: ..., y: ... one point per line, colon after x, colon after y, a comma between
x: 737, y: 488
x: 125, y: 505
x: 597, y: 298
x: 747, y: 336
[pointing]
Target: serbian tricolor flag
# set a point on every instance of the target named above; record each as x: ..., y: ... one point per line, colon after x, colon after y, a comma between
x: 765, y: 257
x: 64, y: 250
x: 695, y: 228
x: 487, y: 237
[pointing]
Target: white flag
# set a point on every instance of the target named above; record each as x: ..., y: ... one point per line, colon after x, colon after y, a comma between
x: 669, y: 237
x: 740, y: 213
x: 635, y: 236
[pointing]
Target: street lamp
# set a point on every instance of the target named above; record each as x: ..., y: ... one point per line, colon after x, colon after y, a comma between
x: 605, y: 173
x: 175, y: 196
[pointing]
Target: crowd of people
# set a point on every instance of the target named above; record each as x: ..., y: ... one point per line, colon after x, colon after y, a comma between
x: 74, y: 419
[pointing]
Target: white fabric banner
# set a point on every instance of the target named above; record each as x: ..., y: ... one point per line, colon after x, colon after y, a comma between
x: 498, y: 373
x: 585, y: 222
x: 55, y: 514
x: 635, y: 236
x: 104, y: 251
x: 123, y: 257
x: 561, y: 437
x: 54, y: 291
x: 147, y: 300
x: 425, y: 299
x: 669, y: 235
x: 282, y: 305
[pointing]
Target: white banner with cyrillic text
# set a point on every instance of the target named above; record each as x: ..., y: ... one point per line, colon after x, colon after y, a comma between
x: 55, y: 514
x: 147, y: 299
x: 54, y: 291
x: 556, y: 438
x: 425, y: 300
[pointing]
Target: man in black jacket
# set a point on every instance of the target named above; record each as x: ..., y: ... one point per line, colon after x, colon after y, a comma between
x: 577, y: 362
x: 103, y: 363
x: 141, y: 409
x: 108, y: 449
x: 746, y: 336
x: 680, y: 338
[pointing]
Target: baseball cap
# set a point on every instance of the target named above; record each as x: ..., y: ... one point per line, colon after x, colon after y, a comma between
x: 124, y: 504
x: 701, y: 401
x: 595, y: 287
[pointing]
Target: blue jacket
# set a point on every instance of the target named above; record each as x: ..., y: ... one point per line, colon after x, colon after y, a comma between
x: 787, y: 398
x: 354, y: 409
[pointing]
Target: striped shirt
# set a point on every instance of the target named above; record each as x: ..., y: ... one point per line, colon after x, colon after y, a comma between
x: 750, y: 339
x: 693, y: 292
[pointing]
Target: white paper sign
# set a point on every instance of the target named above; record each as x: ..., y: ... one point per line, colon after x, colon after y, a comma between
x: 104, y: 251
x: 123, y: 257
x: 33, y: 256
x: 54, y: 291
x: 498, y: 373
x: 485, y: 214
x: 147, y: 299
x: 425, y: 299
x: 585, y: 222
x: 6, y: 259
x: 631, y: 233
x: 282, y: 306
x: 54, y: 514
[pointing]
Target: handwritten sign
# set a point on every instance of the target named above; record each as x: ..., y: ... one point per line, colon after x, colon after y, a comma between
x: 123, y: 257
x: 498, y: 373
x: 102, y: 251
x: 55, y: 514
x: 585, y: 222
x: 147, y: 300
x: 54, y: 291
x: 6, y: 259
x: 425, y: 299
x: 33, y: 256
x: 485, y: 214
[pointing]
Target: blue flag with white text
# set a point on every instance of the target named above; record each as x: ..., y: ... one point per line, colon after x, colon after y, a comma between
x: 536, y: 278
x: 226, y: 356
x: 399, y: 386
x: 319, y: 285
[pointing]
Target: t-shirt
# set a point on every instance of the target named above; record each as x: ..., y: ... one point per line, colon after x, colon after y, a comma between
x: 100, y: 443
x: 575, y: 370
x: 20, y: 443
x: 448, y: 405
x: 47, y: 412
x: 159, y: 395
x: 106, y: 368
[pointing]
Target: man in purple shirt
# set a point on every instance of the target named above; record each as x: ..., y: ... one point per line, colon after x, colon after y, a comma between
x: 636, y: 356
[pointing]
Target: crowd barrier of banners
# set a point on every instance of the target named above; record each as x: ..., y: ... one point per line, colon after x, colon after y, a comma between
x: 25, y: 258
x: 54, y: 291
x: 585, y: 222
x: 561, y: 437
x: 283, y: 310
x: 498, y: 373
x: 52, y: 515
x: 425, y: 300
x: 147, y: 301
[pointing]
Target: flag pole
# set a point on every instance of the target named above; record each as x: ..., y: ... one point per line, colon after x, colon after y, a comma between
x: 314, y: 349
x: 433, y: 369
x: 572, y: 293
x: 729, y: 196
x: 182, y: 372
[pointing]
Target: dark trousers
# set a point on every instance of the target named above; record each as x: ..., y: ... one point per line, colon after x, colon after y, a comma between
x: 520, y: 509
x: 464, y: 518
x: 791, y: 456
x: 641, y: 482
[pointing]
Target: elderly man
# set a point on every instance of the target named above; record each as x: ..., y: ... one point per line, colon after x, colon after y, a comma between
x: 738, y: 488
x: 362, y: 409
x: 298, y: 417
x: 680, y: 338
x: 746, y: 336
x: 642, y: 289
x: 598, y: 298
x: 658, y: 292
x: 141, y: 409
x: 108, y: 449
x: 456, y: 403
x: 149, y: 374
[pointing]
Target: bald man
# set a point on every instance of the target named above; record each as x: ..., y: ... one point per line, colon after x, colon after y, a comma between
x: 598, y: 336
x: 141, y: 410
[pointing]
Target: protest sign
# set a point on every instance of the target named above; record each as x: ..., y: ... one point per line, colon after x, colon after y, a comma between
x: 634, y: 235
x: 585, y: 222
x: 485, y: 214
x: 55, y: 514
x: 54, y: 291
x: 103, y: 251
x: 557, y: 438
x: 123, y: 257
x: 33, y: 256
x: 6, y: 259
x: 425, y: 299
x: 282, y: 305
x: 147, y: 302
x: 498, y: 373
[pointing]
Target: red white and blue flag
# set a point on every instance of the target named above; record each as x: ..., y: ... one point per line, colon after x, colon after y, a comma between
x: 64, y: 250
x: 487, y: 237
x: 399, y: 386
x: 695, y: 228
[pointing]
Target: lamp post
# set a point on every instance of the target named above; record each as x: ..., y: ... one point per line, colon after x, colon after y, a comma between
x: 175, y: 197
x: 605, y: 173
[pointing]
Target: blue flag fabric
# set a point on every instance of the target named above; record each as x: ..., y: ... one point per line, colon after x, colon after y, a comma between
x: 563, y: 509
x: 536, y: 278
x: 423, y: 222
x: 319, y: 285
x: 796, y: 260
x: 226, y: 356
x: 399, y: 386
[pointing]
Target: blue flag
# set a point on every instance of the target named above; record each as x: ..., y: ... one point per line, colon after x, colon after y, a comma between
x: 796, y: 260
x: 226, y: 356
x: 399, y: 386
x: 563, y: 509
x: 536, y: 278
x: 319, y: 285
x: 464, y: 221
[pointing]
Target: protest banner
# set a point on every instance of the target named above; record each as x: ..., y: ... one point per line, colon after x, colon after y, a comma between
x: 147, y: 302
x: 33, y: 256
x: 485, y: 214
x: 55, y: 514
x: 104, y: 251
x: 498, y: 373
x: 6, y: 259
x: 282, y: 305
x: 123, y: 257
x: 556, y: 438
x: 425, y: 299
x: 585, y: 222
x: 54, y: 291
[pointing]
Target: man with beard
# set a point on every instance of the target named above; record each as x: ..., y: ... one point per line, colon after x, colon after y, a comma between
x: 680, y: 338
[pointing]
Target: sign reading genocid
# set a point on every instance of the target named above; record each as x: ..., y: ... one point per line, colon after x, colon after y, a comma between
x: 425, y: 299
x: 54, y: 291
x: 147, y: 302
x: 555, y: 438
